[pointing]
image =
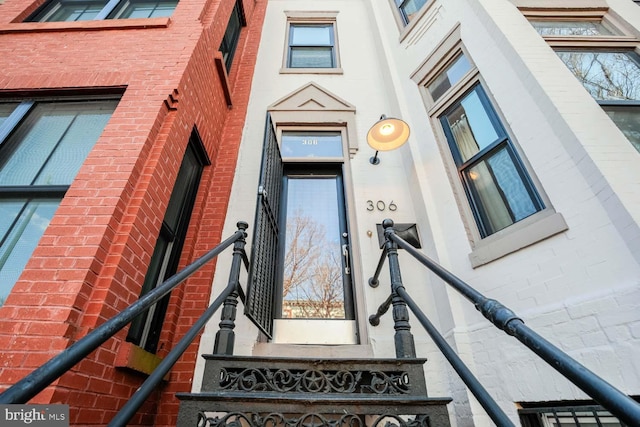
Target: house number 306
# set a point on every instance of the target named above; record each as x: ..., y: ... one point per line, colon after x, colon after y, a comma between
x: 381, y: 205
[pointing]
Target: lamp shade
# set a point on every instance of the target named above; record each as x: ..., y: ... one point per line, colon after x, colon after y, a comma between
x: 388, y: 134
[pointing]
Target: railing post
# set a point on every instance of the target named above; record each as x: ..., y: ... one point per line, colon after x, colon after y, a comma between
x: 225, y: 337
x: 403, y: 339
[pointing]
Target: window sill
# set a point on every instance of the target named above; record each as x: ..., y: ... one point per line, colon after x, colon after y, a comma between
x: 136, y: 359
x: 530, y: 230
x: 311, y: 71
x: 106, y: 24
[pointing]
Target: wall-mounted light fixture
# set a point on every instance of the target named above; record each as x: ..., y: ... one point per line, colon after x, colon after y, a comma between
x: 387, y: 134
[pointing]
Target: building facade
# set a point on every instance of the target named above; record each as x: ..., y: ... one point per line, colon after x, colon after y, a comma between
x: 120, y: 130
x: 519, y: 175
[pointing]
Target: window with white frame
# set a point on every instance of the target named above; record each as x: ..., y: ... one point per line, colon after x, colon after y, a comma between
x: 42, y: 146
x: 311, y: 46
x: 311, y: 43
x: 602, y: 57
x: 501, y: 203
x: 86, y: 10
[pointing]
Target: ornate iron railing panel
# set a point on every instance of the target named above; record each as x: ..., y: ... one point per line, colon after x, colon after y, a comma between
x: 238, y: 419
x: 282, y: 380
x: 264, y: 249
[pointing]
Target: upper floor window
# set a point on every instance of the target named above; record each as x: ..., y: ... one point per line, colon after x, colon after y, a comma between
x: 85, y: 10
x: 42, y: 146
x: 610, y: 72
x: 311, y: 43
x: 408, y: 8
x: 232, y: 34
x: 613, y: 79
x: 311, y: 46
x: 501, y: 204
x: 570, y: 28
x: 498, y: 187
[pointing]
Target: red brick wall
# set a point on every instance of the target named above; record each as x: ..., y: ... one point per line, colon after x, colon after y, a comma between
x: 92, y: 259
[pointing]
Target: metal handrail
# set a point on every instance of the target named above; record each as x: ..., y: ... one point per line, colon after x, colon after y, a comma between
x: 612, y: 399
x: 39, y: 379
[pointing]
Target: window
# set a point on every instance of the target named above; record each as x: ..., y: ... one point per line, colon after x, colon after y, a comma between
x: 85, y: 10
x: 408, y: 8
x: 232, y: 34
x: 608, y: 72
x: 566, y: 416
x: 311, y: 46
x: 42, y: 146
x: 497, y: 186
x: 145, y: 329
x: 570, y: 28
x: 613, y: 79
x: 311, y: 43
x: 501, y: 204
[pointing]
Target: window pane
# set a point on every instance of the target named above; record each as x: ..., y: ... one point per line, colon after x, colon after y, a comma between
x: 53, y: 142
x: 312, y: 282
x: 311, y: 35
x: 500, y: 193
x: 309, y: 57
x: 22, y: 223
x: 471, y: 126
x: 69, y: 11
x: 410, y: 7
x: 449, y: 77
x: 6, y: 109
x: 606, y: 75
x: 627, y: 118
x: 570, y: 28
x: 144, y: 9
x: 232, y: 34
x: 311, y: 144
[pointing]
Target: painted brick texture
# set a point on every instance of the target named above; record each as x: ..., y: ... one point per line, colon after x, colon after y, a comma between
x: 91, y: 261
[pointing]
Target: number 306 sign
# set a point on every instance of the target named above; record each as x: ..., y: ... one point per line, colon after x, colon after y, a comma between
x: 381, y: 206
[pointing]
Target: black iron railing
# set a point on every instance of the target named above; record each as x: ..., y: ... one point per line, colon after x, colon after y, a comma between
x: 42, y: 377
x: 612, y: 399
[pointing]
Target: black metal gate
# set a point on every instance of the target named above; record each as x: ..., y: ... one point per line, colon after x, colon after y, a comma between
x: 263, y: 272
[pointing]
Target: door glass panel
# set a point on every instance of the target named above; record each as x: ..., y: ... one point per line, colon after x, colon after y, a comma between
x: 313, y: 285
x: 311, y: 144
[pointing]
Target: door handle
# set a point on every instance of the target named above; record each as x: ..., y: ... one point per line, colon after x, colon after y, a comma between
x: 345, y: 254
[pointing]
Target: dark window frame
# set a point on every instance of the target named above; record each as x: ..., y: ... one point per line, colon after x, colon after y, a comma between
x: 501, y: 142
x: 232, y: 33
x: 10, y: 140
x: 110, y: 10
x: 145, y: 330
